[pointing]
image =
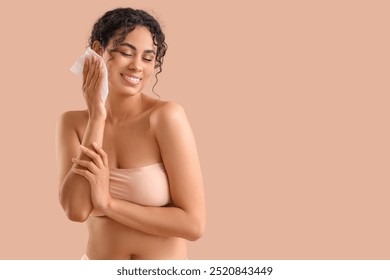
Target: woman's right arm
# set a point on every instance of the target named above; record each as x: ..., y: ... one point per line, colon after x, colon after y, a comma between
x: 75, y: 192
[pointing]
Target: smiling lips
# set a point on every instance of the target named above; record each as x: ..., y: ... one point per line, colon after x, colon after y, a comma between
x: 132, y: 80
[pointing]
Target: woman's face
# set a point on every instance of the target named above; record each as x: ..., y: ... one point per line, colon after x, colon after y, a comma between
x: 133, y: 64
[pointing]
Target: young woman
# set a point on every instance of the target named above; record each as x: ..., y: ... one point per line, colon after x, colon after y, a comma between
x: 129, y: 166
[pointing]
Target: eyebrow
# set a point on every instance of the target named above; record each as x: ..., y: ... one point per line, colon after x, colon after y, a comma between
x: 135, y: 49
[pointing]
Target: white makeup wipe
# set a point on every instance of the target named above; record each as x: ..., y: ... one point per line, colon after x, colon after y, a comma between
x: 78, y: 67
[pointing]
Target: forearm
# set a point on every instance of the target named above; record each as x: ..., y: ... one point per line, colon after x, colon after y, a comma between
x: 159, y: 221
x: 75, y: 193
x: 93, y: 133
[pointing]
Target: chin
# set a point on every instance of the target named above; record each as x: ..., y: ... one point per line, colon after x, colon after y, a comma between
x: 117, y: 86
x: 126, y: 91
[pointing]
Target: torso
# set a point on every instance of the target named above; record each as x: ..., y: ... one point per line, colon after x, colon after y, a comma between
x: 129, y: 144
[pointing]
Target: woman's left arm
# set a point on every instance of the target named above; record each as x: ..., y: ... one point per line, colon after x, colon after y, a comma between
x: 186, y: 218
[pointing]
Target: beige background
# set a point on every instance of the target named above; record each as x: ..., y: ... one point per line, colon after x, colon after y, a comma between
x: 288, y: 101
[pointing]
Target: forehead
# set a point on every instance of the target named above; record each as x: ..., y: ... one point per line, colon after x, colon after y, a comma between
x: 141, y: 38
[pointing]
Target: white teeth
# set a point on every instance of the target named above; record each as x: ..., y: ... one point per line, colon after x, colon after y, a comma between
x: 132, y: 79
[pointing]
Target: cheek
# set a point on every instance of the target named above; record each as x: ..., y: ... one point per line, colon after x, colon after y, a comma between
x: 111, y: 67
x: 116, y: 62
x: 112, y: 73
x: 148, y: 71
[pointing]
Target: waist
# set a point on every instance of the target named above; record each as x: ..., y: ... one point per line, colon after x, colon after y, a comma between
x: 109, y: 239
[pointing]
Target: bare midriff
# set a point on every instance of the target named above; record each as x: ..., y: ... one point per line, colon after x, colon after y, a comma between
x: 109, y: 239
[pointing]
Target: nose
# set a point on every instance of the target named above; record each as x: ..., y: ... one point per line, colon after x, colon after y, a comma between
x: 135, y: 65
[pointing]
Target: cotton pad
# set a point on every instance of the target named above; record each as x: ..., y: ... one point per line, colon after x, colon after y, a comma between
x: 78, y: 67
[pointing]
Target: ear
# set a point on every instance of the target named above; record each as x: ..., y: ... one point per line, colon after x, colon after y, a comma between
x: 97, y: 47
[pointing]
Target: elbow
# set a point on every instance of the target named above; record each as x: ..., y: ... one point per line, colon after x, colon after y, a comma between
x: 196, y: 230
x: 74, y: 213
x: 77, y: 216
x: 195, y: 235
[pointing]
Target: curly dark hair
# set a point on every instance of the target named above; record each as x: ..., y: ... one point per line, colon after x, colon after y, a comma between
x: 119, y: 22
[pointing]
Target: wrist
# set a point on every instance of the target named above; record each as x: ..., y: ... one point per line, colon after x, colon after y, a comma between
x: 97, y: 117
x: 107, y: 208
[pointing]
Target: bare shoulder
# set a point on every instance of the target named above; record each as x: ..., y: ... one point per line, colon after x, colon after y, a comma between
x: 73, y: 119
x: 167, y: 112
x: 72, y: 124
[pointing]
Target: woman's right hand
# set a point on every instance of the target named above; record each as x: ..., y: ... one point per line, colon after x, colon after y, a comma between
x: 92, y: 86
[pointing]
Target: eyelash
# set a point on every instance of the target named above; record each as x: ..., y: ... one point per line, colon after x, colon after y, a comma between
x: 130, y: 55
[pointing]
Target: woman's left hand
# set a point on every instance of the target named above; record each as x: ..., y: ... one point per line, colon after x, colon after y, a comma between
x: 98, y: 175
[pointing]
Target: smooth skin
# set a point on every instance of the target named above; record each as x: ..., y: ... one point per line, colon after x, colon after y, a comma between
x: 130, y: 130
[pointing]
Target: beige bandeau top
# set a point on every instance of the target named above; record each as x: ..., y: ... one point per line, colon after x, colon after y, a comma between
x: 147, y: 185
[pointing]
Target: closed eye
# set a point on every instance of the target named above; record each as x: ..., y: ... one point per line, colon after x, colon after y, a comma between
x: 130, y: 55
x: 126, y: 54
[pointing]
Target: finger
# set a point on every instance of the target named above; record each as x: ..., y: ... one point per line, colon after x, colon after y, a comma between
x: 97, y: 73
x: 86, y: 71
x: 85, y: 173
x: 87, y: 76
x: 91, y: 166
x: 100, y: 74
x: 91, y: 72
x: 92, y: 75
x: 102, y: 153
x: 86, y: 66
x: 94, y: 156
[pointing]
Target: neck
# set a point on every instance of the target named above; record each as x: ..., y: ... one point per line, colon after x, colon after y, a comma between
x: 120, y: 108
